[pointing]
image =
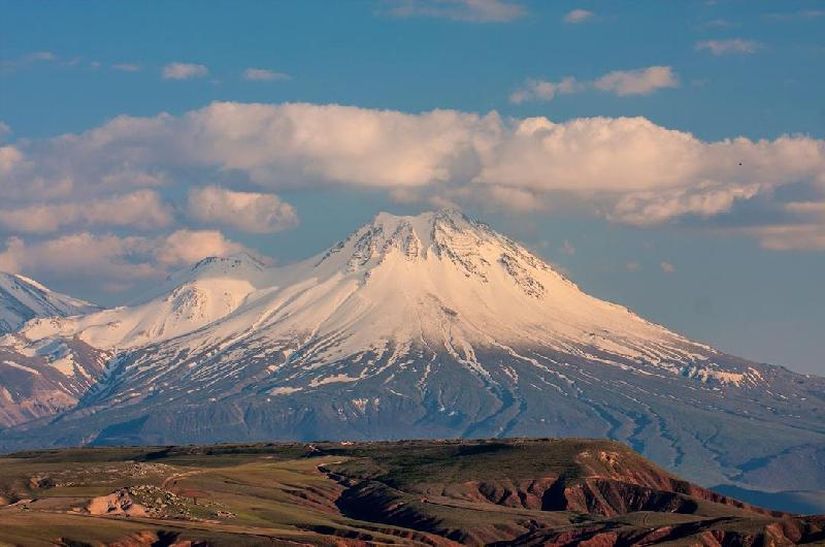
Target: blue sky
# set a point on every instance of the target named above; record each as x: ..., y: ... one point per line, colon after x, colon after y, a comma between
x: 730, y: 254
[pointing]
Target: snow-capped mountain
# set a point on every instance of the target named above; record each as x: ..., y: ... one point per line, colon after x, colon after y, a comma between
x: 40, y: 379
x: 189, y: 300
x: 426, y: 326
x: 22, y: 299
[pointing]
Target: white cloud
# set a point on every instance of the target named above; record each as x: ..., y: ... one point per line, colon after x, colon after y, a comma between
x: 185, y: 247
x: 184, y: 71
x: 516, y: 199
x: 5, y: 131
x: 568, y: 248
x: 703, y: 200
x: 10, y: 157
x: 476, y: 11
x: 126, y: 67
x: 143, y: 209
x: 793, y: 226
x: 733, y: 46
x: 632, y: 266
x: 807, y: 208
x: 274, y: 144
x: 629, y: 155
x: 248, y: 211
x: 28, y: 59
x: 542, y: 90
x: 642, y: 81
x: 114, y: 260
x: 263, y: 74
x: 667, y: 267
x: 803, y: 231
x: 627, y: 169
x: 89, y: 165
x: 76, y: 256
x: 578, y: 16
x: 790, y: 237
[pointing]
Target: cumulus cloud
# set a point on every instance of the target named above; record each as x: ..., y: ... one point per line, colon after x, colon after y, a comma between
x: 578, y: 16
x: 184, y: 247
x: 803, y: 230
x: 629, y: 170
x: 10, y: 157
x: 107, y: 258
x: 517, y: 199
x: 703, y: 200
x: 475, y: 11
x: 629, y: 155
x: 807, y: 208
x: 642, y: 81
x: 542, y: 90
x: 76, y: 256
x: 184, y: 71
x: 263, y: 75
x: 302, y: 142
x: 247, y: 211
x: 788, y: 237
x: 143, y: 209
x: 733, y: 46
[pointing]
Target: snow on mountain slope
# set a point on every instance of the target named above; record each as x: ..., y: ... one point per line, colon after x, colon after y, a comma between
x: 426, y: 326
x: 22, y: 299
x: 438, y: 278
x: 39, y: 379
x: 51, y: 361
x: 441, y: 278
x: 189, y: 300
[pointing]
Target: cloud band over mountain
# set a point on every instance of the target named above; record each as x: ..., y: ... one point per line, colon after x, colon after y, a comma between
x: 628, y: 169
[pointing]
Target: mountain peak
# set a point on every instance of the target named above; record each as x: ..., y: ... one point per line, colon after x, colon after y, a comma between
x: 22, y: 298
x: 423, y: 222
x: 443, y: 268
x: 454, y: 213
x: 442, y: 233
x: 238, y: 262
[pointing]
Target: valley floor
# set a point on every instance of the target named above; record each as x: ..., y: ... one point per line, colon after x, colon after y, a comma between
x: 515, y: 492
